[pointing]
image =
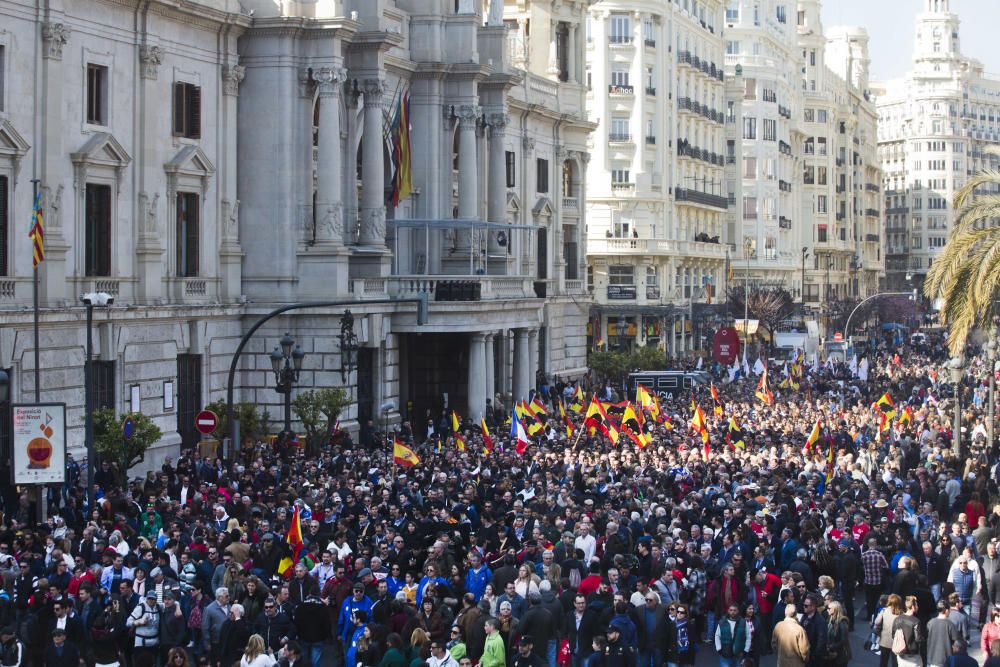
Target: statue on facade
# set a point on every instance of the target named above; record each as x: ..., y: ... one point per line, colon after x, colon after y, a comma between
x: 495, y: 17
x: 147, y: 211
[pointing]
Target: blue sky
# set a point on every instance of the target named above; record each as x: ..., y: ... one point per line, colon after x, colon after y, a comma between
x: 890, y: 25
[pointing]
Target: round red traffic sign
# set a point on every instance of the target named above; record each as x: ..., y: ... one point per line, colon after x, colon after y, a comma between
x: 206, y: 421
x: 726, y: 345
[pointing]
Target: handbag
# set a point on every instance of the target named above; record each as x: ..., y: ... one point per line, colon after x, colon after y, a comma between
x: 898, y: 642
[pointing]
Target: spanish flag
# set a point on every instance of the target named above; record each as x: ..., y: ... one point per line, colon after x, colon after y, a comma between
x: 294, y: 540
x: 536, y: 407
x: 763, y: 393
x: 632, y: 426
x: 403, y: 455
x: 643, y: 397
x: 717, y: 400
x: 597, y: 419
x: 906, y: 417
x: 578, y: 400
x: 487, y: 440
x: 735, y: 436
x: 813, y: 438
x: 886, y: 400
x: 402, y: 182
x: 456, y: 424
x: 699, y: 425
x: 566, y: 420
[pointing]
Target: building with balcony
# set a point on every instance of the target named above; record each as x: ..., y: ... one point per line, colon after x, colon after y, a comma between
x: 656, y: 251
x: 764, y: 144
x: 934, y: 126
x: 841, y: 173
x: 226, y: 158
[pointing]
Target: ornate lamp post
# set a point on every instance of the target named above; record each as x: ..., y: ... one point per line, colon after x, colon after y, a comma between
x: 286, y: 361
x: 956, y: 368
x: 622, y: 332
x: 89, y: 300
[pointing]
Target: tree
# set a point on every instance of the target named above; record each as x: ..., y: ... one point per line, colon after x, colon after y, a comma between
x: 967, y: 272
x: 770, y: 305
x: 611, y: 365
x: 318, y: 411
x: 111, y: 445
x: 648, y: 358
x: 252, y: 423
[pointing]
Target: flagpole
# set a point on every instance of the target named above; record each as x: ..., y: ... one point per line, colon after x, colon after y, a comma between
x: 34, y: 295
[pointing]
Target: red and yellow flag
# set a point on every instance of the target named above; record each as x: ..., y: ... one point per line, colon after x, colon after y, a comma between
x: 36, y: 233
x: 813, y: 438
x: 763, y: 393
x: 403, y: 455
x: 566, y: 420
x: 578, y: 400
x: 487, y: 440
x: 699, y: 425
x: 716, y: 399
x: 886, y: 401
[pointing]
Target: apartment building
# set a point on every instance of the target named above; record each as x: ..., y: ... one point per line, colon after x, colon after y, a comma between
x: 656, y: 199
x: 934, y: 126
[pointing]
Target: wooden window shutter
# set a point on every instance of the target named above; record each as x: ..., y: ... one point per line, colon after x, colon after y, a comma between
x: 194, y: 112
x: 179, y: 109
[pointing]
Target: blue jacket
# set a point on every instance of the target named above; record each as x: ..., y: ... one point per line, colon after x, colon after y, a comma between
x: 351, y: 655
x: 626, y: 626
x: 422, y: 586
x: 345, y: 627
x: 475, y: 582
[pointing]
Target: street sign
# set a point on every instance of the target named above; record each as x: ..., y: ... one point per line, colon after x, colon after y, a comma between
x: 128, y: 428
x: 206, y: 421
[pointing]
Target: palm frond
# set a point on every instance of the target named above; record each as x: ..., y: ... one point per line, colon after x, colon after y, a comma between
x: 986, y: 207
x: 984, y: 177
x: 955, y: 253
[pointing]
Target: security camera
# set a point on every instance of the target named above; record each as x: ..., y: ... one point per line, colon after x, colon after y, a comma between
x: 97, y: 299
x: 388, y: 406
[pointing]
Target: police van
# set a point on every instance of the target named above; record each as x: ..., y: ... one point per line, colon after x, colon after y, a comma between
x: 667, y: 384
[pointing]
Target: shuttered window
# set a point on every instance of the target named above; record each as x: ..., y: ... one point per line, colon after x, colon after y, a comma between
x: 187, y: 110
x: 187, y: 234
x: 97, y: 249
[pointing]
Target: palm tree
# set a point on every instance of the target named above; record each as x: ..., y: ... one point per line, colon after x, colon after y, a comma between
x: 967, y: 273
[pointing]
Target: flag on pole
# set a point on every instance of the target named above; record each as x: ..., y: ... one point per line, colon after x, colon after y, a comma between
x: 763, y: 393
x: 294, y: 540
x: 537, y: 408
x: 813, y: 438
x: 578, y: 400
x: 402, y: 182
x: 699, y: 425
x: 518, y: 435
x: 566, y: 420
x: 884, y: 400
x: 487, y: 440
x: 734, y: 436
x: 37, y: 231
x: 906, y: 417
x: 597, y: 419
x: 632, y: 426
x: 717, y: 400
x: 403, y: 455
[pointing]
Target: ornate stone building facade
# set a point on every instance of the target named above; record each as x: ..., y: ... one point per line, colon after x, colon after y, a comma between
x: 209, y: 161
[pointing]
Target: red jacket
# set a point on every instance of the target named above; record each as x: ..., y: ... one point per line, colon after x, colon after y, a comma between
x: 767, y: 593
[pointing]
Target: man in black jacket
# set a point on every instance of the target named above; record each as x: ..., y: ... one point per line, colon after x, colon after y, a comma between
x: 538, y: 623
x: 60, y: 652
x: 815, y: 626
x: 580, y: 626
x: 313, y: 627
x: 845, y: 564
x: 274, y: 626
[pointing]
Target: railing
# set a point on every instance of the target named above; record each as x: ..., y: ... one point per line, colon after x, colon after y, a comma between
x: 574, y: 285
x: 871, y: 212
x: 698, y: 197
x: 458, y: 288
x: 570, y: 203
x: 784, y: 223
x: 622, y: 185
x: 363, y: 288
x: 871, y: 238
x: 651, y: 91
x: 195, y: 288
x: 651, y: 141
x: 620, y: 39
x: 109, y: 286
x: 8, y: 290
x: 619, y: 138
x: 871, y: 187
x: 598, y: 246
x: 649, y: 42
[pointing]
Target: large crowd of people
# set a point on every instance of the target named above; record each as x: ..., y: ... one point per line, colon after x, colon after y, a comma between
x: 578, y: 552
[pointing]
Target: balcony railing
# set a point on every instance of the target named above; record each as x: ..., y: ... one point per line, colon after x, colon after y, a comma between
x: 620, y: 39
x: 651, y: 141
x: 698, y: 197
x: 651, y: 91
x: 619, y: 137
x: 622, y: 185
x: 459, y: 288
x: 616, y: 246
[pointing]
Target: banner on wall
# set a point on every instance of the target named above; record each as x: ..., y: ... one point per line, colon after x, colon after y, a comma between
x: 38, y: 441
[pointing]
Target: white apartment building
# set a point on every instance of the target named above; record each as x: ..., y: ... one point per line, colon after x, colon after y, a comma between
x: 934, y: 124
x: 206, y: 162
x: 764, y: 144
x: 655, y: 197
x: 841, y: 174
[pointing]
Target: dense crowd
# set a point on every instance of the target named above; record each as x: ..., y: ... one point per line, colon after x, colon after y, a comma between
x: 577, y: 553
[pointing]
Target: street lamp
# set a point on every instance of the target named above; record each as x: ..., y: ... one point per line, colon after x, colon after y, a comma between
x: 348, y: 345
x: 90, y: 299
x: 956, y: 368
x: 747, y: 249
x: 802, y: 285
x: 286, y: 362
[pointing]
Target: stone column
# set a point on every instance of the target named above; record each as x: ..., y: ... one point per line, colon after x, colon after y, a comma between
x: 468, y: 117
x: 491, y: 383
x: 683, y: 336
x: 532, y: 357
x: 496, y: 210
x: 571, y: 50
x: 521, y: 365
x: 372, y: 209
x: 477, y: 375
x: 329, y: 193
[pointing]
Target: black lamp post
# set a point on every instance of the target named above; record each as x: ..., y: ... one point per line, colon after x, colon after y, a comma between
x: 622, y: 332
x: 956, y: 369
x: 348, y: 345
x: 90, y: 300
x: 286, y: 361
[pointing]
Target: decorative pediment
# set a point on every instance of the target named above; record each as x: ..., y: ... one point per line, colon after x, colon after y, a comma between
x: 543, y: 208
x: 12, y: 144
x: 190, y: 161
x: 102, y: 150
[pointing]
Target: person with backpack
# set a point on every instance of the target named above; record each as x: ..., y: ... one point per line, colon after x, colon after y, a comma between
x: 731, y: 638
x: 144, y: 623
x: 907, y: 636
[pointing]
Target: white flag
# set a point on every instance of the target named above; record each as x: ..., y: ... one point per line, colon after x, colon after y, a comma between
x: 758, y: 367
x: 698, y: 367
x: 746, y: 366
x: 815, y: 367
x: 863, y: 370
x: 854, y: 365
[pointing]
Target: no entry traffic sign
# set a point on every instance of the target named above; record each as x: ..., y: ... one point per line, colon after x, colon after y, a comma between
x: 206, y: 421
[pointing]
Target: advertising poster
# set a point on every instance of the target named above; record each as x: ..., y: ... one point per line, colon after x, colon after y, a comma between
x: 38, y: 439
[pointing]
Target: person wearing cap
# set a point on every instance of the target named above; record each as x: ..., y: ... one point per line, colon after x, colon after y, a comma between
x: 173, y: 630
x: 617, y: 652
x: 145, y: 622
x: 60, y: 651
x: 526, y: 656
x: 358, y: 601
